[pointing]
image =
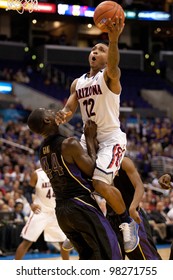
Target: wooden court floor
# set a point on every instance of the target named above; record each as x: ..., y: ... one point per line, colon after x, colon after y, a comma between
x: 164, y: 253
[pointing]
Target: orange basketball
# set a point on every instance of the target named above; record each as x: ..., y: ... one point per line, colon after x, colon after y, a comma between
x: 106, y: 10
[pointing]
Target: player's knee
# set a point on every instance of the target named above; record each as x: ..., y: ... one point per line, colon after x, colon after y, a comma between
x: 97, y: 184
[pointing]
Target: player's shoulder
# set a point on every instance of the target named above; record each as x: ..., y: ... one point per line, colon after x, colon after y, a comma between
x: 73, y: 84
x: 70, y: 142
x: 40, y: 173
x: 70, y: 146
x: 39, y: 170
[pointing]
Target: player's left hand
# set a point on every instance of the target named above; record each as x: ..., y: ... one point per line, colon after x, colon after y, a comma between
x: 61, y: 117
x: 114, y: 28
x: 36, y: 208
x: 134, y: 214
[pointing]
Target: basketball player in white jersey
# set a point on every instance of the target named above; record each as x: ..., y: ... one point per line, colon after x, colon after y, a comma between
x: 42, y: 217
x: 98, y: 95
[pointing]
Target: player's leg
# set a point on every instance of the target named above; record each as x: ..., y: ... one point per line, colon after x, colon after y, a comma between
x: 115, y: 223
x: 67, y: 245
x: 107, y: 165
x: 22, y: 249
x: 54, y: 234
x: 30, y: 233
x: 97, y: 231
x: 146, y: 249
x: 81, y: 246
x: 68, y: 220
x: 64, y: 253
x: 128, y: 226
x: 89, y: 231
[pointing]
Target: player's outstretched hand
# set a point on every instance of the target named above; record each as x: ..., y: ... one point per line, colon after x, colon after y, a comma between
x: 114, y: 28
x: 61, y: 117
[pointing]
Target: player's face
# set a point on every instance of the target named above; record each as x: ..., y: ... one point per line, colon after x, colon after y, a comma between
x: 98, y: 56
x: 48, y: 113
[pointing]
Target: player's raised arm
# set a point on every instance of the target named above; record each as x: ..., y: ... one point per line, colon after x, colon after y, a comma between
x: 112, y: 73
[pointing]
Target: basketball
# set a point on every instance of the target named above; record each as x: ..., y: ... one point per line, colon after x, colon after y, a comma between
x: 106, y: 10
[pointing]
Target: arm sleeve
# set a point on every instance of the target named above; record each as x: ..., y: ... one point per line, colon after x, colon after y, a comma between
x: 29, y: 191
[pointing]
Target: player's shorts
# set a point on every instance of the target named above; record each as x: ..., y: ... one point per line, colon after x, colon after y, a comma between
x: 109, y: 157
x: 87, y: 228
x: 43, y: 222
x: 108, y: 163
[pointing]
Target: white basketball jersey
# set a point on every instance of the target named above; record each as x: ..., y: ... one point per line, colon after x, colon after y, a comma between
x: 44, y: 195
x: 100, y: 105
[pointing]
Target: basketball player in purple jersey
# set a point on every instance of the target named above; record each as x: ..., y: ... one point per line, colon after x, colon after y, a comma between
x: 68, y: 167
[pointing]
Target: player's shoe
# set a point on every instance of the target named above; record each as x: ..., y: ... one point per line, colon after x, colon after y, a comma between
x: 130, y: 235
x: 67, y: 245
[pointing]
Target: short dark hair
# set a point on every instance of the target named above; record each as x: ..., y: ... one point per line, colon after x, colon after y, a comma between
x: 36, y: 121
x: 18, y: 203
x: 102, y: 42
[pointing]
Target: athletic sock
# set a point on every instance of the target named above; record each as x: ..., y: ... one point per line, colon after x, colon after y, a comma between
x: 125, y: 218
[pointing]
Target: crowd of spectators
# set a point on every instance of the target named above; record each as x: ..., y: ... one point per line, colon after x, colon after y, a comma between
x: 19, y: 75
x: 16, y: 163
x: 149, y: 138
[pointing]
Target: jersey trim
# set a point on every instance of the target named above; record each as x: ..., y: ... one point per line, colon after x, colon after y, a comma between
x: 77, y: 198
x: 140, y: 248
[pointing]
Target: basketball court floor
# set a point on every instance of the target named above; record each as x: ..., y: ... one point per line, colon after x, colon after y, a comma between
x: 164, y: 251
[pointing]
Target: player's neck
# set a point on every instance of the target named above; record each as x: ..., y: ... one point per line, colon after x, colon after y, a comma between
x: 92, y: 73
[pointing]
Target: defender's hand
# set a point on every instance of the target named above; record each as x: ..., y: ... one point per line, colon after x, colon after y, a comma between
x: 90, y: 129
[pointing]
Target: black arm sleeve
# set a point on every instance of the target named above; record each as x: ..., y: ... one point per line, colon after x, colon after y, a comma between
x: 29, y: 191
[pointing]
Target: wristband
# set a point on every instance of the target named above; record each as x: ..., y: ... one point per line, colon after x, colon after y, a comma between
x: 28, y: 193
